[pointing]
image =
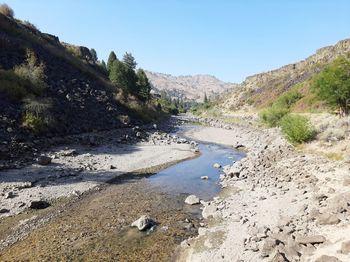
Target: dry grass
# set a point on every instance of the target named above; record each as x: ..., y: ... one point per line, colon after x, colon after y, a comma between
x: 6, y: 10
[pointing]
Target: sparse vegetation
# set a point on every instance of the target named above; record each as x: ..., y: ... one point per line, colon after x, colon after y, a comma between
x: 273, y: 115
x: 6, y: 10
x: 297, y: 128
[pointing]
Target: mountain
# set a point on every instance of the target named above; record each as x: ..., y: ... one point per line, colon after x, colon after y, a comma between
x: 262, y: 89
x: 188, y: 87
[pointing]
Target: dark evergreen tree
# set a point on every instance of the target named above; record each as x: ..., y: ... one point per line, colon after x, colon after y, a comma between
x: 206, y: 100
x: 129, y: 61
x: 103, y: 65
x: 144, y: 86
x: 93, y: 55
x: 111, y: 58
x: 117, y: 74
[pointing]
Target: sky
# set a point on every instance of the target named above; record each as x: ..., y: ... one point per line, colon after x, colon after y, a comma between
x: 225, y: 38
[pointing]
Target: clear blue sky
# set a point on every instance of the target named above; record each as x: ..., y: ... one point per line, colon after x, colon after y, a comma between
x: 226, y: 38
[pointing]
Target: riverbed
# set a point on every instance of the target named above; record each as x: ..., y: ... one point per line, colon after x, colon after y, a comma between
x: 97, y: 226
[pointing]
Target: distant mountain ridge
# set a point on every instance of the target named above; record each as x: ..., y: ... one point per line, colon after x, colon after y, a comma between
x: 189, y: 87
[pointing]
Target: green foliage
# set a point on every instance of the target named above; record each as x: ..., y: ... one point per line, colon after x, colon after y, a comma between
x: 34, y: 123
x: 6, y: 10
x: 333, y: 84
x: 123, y: 77
x: 272, y: 116
x: 93, y: 55
x: 144, y: 86
x: 12, y: 86
x: 111, y: 58
x: 296, y: 128
x: 129, y: 61
x: 288, y: 99
x: 32, y: 71
x: 206, y: 100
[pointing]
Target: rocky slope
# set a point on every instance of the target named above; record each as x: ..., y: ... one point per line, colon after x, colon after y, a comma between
x: 79, y: 97
x: 189, y: 87
x: 260, y: 89
x: 278, y: 204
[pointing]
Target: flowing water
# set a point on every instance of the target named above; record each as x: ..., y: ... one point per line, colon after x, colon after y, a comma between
x: 97, y: 227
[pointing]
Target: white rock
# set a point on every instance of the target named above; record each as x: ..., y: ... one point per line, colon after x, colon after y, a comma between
x: 192, y: 200
x: 204, y: 177
x: 143, y: 223
x: 217, y: 165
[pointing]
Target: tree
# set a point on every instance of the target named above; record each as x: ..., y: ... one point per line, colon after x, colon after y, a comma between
x: 103, y: 65
x: 111, y: 58
x: 6, y: 10
x: 333, y: 85
x: 144, y: 86
x: 129, y: 61
x: 121, y: 76
x: 206, y: 100
x: 93, y: 55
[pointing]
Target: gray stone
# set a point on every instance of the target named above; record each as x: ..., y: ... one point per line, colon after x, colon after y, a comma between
x: 327, y: 219
x: 217, y: 165
x: 315, y: 239
x: 143, y: 223
x: 345, y: 247
x: 44, y: 160
x: 38, y: 204
x: 192, y: 200
x: 325, y: 258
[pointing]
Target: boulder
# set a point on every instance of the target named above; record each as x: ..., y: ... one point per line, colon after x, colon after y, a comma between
x: 204, y: 177
x: 268, y: 247
x: 192, y: 200
x: 217, y: 165
x: 143, y: 223
x: 325, y: 258
x: 44, y: 160
x: 327, y: 219
x: 315, y: 239
x: 345, y: 247
x: 38, y: 204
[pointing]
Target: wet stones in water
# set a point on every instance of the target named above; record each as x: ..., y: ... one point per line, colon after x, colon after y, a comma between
x: 204, y: 177
x: 192, y: 200
x: 44, y: 160
x: 217, y: 165
x: 38, y: 204
x: 143, y: 223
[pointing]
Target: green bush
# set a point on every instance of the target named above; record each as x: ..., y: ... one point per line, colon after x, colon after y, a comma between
x: 272, y: 116
x: 34, y: 123
x: 288, y: 99
x: 296, y: 128
x: 12, y: 86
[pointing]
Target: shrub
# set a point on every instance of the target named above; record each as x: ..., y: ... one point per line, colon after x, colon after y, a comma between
x: 6, y: 10
x: 296, y: 128
x: 273, y: 115
x: 34, y: 123
x: 33, y: 72
x: 288, y: 99
x: 12, y: 86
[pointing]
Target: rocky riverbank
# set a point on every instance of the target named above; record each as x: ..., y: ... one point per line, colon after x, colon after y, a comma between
x: 66, y: 173
x: 278, y: 204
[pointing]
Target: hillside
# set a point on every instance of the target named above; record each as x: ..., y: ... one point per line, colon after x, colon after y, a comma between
x: 262, y: 89
x: 188, y: 87
x: 75, y: 94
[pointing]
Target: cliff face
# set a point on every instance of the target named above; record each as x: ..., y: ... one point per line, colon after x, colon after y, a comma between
x: 189, y: 87
x: 259, y: 89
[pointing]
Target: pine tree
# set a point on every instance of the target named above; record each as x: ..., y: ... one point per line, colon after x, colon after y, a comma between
x: 117, y: 74
x: 93, y: 55
x: 206, y: 100
x: 144, y: 86
x: 129, y: 61
x: 111, y: 58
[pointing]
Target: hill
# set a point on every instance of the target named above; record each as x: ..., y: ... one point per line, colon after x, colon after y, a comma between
x: 50, y: 88
x: 188, y: 87
x: 262, y: 89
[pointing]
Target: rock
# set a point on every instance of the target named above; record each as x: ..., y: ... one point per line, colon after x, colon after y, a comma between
x: 345, y: 247
x: 316, y: 239
x: 38, y: 204
x: 204, y: 177
x: 325, y: 258
x: 192, y: 200
x: 9, y: 195
x: 4, y: 210
x: 112, y: 167
x: 143, y: 223
x: 268, y: 247
x: 44, y: 160
x: 327, y: 219
x: 217, y: 165
x: 278, y: 257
